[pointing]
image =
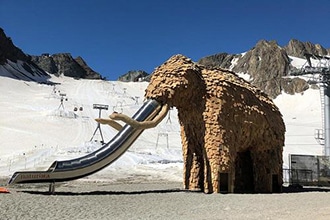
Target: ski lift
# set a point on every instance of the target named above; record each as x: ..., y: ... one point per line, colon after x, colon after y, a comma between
x: 118, y: 107
x: 169, y: 117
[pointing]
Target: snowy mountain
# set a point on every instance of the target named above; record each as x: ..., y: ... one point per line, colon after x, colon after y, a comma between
x: 268, y: 65
x: 47, y: 117
x: 37, y: 68
x: 41, y: 123
x: 38, y: 128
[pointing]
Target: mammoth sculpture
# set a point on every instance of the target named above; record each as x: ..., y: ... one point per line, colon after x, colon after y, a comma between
x: 232, y: 133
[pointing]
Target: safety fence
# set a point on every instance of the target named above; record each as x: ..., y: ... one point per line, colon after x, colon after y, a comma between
x: 311, y: 170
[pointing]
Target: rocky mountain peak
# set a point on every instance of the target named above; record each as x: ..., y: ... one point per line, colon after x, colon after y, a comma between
x: 266, y: 63
x: 57, y: 64
x: 297, y: 48
x: 90, y: 74
x: 222, y: 60
x: 9, y: 51
x: 65, y: 64
x: 17, y: 64
x: 134, y: 76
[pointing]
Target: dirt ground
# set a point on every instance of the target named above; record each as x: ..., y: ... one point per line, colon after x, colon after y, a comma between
x: 101, y: 200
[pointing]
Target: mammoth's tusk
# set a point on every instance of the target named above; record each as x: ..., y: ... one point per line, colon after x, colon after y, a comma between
x: 143, y: 124
x: 110, y: 122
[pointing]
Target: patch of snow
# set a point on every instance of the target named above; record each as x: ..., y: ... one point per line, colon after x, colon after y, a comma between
x: 36, y: 130
x: 247, y: 77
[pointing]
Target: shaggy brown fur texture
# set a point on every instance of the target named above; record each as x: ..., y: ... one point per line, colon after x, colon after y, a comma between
x: 232, y: 133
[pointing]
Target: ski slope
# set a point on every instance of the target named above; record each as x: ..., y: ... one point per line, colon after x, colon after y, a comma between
x: 36, y: 128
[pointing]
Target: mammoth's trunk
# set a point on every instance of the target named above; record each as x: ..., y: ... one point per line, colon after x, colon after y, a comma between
x: 141, y: 124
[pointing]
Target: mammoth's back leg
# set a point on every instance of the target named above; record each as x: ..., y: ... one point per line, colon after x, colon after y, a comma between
x: 267, y: 166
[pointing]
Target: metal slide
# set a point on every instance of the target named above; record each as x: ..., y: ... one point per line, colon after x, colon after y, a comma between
x: 77, y: 168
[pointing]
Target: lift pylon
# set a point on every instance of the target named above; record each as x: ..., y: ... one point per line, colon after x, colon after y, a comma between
x: 100, y: 107
x: 321, y: 74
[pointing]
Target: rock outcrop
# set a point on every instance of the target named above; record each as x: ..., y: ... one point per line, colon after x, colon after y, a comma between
x: 294, y: 85
x: 297, y: 48
x: 134, y: 76
x: 267, y: 65
x: 9, y: 51
x: 30, y: 67
x: 90, y: 74
x: 221, y: 60
x: 17, y: 64
x: 65, y: 64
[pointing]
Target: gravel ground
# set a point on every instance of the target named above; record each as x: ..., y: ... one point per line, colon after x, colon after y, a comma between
x: 101, y: 200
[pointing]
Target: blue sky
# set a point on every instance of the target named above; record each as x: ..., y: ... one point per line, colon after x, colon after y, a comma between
x: 116, y: 36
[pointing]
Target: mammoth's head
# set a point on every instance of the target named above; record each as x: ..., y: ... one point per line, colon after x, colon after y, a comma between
x: 176, y: 81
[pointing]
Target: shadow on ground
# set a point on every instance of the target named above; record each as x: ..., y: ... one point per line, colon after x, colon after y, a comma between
x: 103, y: 192
x: 300, y: 189
x: 286, y: 189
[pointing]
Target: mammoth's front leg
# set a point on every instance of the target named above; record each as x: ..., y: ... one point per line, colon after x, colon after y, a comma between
x: 217, y: 164
x: 193, y: 161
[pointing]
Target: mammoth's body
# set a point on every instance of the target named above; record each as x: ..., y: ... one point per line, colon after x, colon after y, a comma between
x: 232, y: 134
